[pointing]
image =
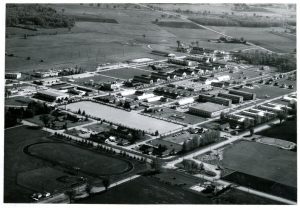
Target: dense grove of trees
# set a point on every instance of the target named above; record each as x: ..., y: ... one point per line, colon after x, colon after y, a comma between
x: 36, y: 15
x: 284, y: 63
x: 233, y: 20
x: 15, y: 115
x: 192, y: 166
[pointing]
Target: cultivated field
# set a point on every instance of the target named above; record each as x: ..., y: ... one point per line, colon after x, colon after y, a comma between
x: 263, y: 161
x: 88, y: 43
x: 131, y: 119
x: 87, y: 161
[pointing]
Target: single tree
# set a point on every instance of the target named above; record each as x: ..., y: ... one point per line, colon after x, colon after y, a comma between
x: 106, y: 182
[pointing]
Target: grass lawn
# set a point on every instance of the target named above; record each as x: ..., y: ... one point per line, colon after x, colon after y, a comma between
x: 98, y: 127
x: 146, y: 190
x: 287, y: 131
x: 262, y: 161
x: 87, y: 161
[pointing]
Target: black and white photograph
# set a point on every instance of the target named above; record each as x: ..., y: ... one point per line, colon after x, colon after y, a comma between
x: 149, y: 103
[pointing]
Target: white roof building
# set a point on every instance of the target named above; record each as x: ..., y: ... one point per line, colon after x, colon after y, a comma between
x: 185, y: 101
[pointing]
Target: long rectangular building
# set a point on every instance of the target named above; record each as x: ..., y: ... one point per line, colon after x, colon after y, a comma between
x: 235, y: 98
x: 51, y: 95
x: 208, y: 109
x: 215, y: 99
x: 143, y: 79
x: 246, y: 95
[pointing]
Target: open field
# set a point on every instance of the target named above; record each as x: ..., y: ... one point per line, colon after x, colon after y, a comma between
x: 87, y: 161
x: 131, y: 119
x: 286, y: 131
x: 262, y: 161
x: 124, y: 73
x: 261, y: 37
x: 146, y: 190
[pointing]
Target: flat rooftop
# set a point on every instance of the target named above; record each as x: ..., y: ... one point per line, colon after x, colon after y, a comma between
x: 209, y: 107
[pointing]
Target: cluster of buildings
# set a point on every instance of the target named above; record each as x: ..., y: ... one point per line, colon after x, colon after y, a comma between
x: 17, y: 75
x: 172, y: 92
x: 256, y: 115
x: 57, y: 72
x: 214, y: 105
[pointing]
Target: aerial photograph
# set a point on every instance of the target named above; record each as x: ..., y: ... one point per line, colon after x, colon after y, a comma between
x: 150, y: 103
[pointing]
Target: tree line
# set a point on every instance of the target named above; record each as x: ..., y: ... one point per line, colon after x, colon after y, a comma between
x: 13, y: 116
x: 284, y: 62
x: 37, y: 15
x: 234, y: 20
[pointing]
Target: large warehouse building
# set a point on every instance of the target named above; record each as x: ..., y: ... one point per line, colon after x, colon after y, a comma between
x: 51, y: 95
x: 246, y: 95
x: 208, y: 109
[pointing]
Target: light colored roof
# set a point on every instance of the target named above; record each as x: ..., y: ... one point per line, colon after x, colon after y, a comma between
x: 52, y: 92
x: 209, y: 107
